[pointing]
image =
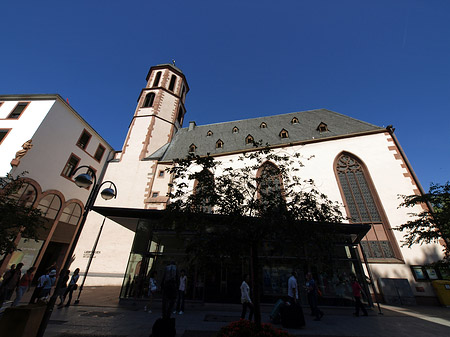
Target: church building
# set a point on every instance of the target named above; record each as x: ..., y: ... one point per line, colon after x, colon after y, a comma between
x: 360, y: 165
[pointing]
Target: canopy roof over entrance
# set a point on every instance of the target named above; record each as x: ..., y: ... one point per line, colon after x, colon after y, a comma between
x: 129, y: 218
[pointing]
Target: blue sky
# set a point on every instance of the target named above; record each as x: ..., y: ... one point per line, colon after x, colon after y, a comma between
x: 383, y: 62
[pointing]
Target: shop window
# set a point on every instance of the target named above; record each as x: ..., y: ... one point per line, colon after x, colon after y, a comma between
x: 50, y: 206
x: 249, y: 140
x: 361, y: 205
x: 84, y: 139
x: 71, y: 214
x: 99, y: 152
x: 172, y: 82
x: 219, y: 144
x: 18, y: 110
x: 3, y: 134
x: 157, y: 78
x: 284, y: 134
x: 26, y: 195
x: 71, y: 164
x: 149, y: 99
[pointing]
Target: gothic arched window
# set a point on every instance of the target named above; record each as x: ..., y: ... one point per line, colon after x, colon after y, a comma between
x: 172, y: 82
x: 148, y: 102
x: 270, y: 185
x: 363, y: 206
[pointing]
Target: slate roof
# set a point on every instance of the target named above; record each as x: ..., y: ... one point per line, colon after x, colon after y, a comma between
x: 305, y: 130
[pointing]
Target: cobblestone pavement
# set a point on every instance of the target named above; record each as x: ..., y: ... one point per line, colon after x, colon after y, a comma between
x: 99, y: 315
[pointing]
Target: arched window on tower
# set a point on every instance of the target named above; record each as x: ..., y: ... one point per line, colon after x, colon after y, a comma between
x: 148, y: 102
x: 172, y: 82
x: 180, y: 115
x: 157, y: 78
x: 363, y: 206
x: 50, y: 206
x: 249, y: 139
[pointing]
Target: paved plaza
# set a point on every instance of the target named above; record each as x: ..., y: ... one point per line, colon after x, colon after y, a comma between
x: 99, y: 315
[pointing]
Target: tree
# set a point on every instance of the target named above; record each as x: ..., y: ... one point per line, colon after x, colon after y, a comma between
x: 236, y: 208
x: 433, y: 222
x: 16, y: 218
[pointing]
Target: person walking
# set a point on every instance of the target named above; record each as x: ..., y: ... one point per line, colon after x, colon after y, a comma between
x: 71, y: 287
x: 152, y: 288
x: 293, y: 288
x: 10, y: 283
x: 24, y: 285
x: 169, y: 289
x: 181, y: 292
x: 245, y: 299
x: 49, y: 282
x: 62, y: 290
x: 357, y: 289
x: 313, y: 293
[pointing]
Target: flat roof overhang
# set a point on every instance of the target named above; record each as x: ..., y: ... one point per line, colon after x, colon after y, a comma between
x: 130, y: 217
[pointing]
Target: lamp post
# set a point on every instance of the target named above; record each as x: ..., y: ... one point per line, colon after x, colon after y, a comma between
x: 83, y: 181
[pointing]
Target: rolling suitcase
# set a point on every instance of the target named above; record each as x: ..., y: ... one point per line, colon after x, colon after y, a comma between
x: 292, y: 316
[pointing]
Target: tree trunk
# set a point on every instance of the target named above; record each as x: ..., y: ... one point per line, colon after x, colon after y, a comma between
x: 256, y: 282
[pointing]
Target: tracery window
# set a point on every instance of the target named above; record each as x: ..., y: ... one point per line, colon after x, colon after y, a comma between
x: 50, y: 206
x: 361, y: 204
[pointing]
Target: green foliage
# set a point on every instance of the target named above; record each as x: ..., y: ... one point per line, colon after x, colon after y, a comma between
x: 428, y: 225
x: 244, y: 328
x: 15, y: 216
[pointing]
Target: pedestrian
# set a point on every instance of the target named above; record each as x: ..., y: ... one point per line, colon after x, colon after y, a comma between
x: 38, y: 290
x: 169, y: 289
x: 62, y: 289
x: 313, y: 294
x: 24, y: 285
x: 292, y: 288
x: 245, y: 298
x: 49, y: 282
x: 10, y: 283
x: 357, y: 289
x: 181, y: 292
x: 152, y: 288
x: 72, y: 286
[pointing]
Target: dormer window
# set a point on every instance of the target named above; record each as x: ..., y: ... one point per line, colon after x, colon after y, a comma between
x: 322, y: 127
x: 209, y: 133
x: 294, y: 120
x: 192, y: 148
x: 249, y: 139
x: 263, y: 125
x: 235, y: 130
x: 148, y: 102
x: 284, y: 134
x: 219, y: 144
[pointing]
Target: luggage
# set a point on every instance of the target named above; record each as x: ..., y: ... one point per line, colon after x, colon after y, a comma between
x: 292, y: 316
x: 275, y: 315
x: 164, y: 327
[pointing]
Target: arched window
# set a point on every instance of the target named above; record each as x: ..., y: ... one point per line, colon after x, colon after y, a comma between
x: 157, y: 78
x: 172, y: 82
x: 361, y: 202
x: 284, y: 134
x: 263, y: 125
x: 26, y: 195
x: 50, y: 206
x: 71, y: 214
x: 294, y: 120
x: 269, y: 179
x: 204, y: 191
x: 148, y: 102
x: 235, y: 129
x: 209, y: 133
x: 192, y: 148
x: 219, y: 144
x: 249, y: 139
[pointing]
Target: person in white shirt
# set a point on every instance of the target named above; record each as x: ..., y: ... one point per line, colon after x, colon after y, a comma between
x: 293, y: 288
x: 181, y: 292
x: 245, y: 298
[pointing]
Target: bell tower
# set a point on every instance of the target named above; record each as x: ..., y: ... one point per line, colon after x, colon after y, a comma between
x: 159, y: 112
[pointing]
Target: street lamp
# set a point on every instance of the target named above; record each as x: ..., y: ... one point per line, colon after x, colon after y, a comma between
x: 83, y: 181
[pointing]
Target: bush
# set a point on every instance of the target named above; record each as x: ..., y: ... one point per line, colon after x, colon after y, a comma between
x: 244, y: 328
